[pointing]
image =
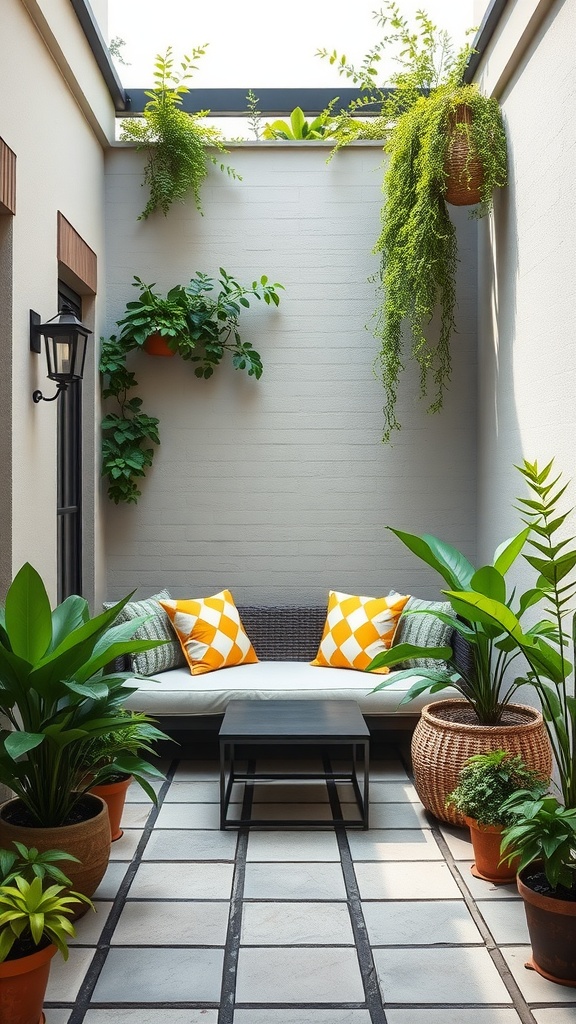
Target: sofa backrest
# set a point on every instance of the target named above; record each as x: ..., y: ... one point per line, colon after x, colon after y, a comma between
x: 284, y: 633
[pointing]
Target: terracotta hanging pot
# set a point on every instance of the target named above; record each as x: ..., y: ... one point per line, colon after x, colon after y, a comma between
x: 463, y: 168
x: 114, y: 796
x: 447, y: 735
x: 88, y: 840
x: 486, y: 841
x: 156, y: 345
x: 23, y: 987
x: 552, y: 928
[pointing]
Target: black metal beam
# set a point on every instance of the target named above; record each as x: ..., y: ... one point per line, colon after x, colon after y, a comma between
x: 85, y: 16
x: 271, y: 102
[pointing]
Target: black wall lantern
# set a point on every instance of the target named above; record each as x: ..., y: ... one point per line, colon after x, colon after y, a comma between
x: 65, y: 338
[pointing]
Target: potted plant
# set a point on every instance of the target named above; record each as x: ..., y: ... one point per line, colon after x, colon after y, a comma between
x: 429, y: 119
x: 491, y: 622
x: 484, y: 783
x: 177, y: 144
x: 57, y: 700
x: 114, y: 761
x: 34, y: 925
x: 199, y: 321
x: 299, y: 129
x: 543, y: 838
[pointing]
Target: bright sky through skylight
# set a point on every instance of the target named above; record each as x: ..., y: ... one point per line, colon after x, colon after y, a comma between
x: 260, y: 43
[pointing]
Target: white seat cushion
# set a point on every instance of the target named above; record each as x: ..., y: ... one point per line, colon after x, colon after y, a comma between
x: 179, y: 693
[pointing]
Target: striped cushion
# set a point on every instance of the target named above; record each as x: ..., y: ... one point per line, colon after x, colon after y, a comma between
x: 357, y: 629
x: 210, y: 632
x: 424, y: 630
x: 158, y: 627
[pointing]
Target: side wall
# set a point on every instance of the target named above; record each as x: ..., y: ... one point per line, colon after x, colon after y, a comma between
x: 281, y: 488
x: 527, y: 356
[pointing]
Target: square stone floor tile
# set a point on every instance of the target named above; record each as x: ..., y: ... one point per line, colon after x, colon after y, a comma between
x: 125, y: 847
x: 414, y: 923
x: 298, y: 881
x: 108, y: 888
x: 56, y: 1015
x: 403, y: 815
x: 89, y: 927
x: 533, y: 987
x: 458, y: 842
x: 191, y: 844
x: 193, y: 792
x: 456, y: 1015
x: 296, y: 845
x: 189, y: 816
x: 283, y: 975
x: 143, y: 1015
x: 182, y: 881
x: 555, y: 1015
x: 291, y: 924
x: 136, y: 815
x: 298, y: 763
x: 506, y: 920
x: 286, y: 812
x: 163, y: 924
x: 394, y: 844
x: 387, y: 771
x: 430, y: 880
x: 431, y: 975
x: 306, y: 1016
x: 135, y: 794
x: 67, y: 976
x: 197, y: 771
x: 383, y: 792
x: 480, y: 889
x: 159, y: 975
x: 290, y: 792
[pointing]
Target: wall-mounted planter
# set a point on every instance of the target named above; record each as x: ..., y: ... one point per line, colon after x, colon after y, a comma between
x: 156, y: 345
x: 462, y: 165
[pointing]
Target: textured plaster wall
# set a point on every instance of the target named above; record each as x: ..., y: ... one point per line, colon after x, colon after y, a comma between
x: 281, y: 488
x: 527, y: 276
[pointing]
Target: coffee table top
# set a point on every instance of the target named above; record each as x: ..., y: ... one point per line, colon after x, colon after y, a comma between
x: 293, y: 719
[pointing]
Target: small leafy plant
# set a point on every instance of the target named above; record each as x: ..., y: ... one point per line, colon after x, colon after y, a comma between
x: 177, y: 144
x: 542, y: 830
x: 487, y: 780
x: 30, y: 863
x: 299, y: 128
x: 118, y: 752
x: 200, y: 321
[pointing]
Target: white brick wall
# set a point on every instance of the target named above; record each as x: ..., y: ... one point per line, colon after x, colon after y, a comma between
x: 281, y: 489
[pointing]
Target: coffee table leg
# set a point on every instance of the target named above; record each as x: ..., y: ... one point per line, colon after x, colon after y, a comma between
x: 223, y: 746
x: 366, y: 746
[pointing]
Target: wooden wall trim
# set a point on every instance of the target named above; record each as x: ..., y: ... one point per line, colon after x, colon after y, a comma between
x: 7, y: 179
x: 75, y: 254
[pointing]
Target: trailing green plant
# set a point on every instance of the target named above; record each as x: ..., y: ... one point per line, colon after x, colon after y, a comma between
x: 117, y: 753
x: 55, y: 694
x: 299, y: 128
x: 487, y: 780
x: 177, y: 144
x: 542, y: 830
x: 416, y: 115
x: 199, y: 321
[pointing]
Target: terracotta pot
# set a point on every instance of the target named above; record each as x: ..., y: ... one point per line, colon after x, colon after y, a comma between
x: 446, y: 736
x: 486, y: 841
x: 88, y: 840
x: 114, y: 796
x: 23, y: 986
x: 552, y: 928
x: 465, y: 174
x: 156, y: 345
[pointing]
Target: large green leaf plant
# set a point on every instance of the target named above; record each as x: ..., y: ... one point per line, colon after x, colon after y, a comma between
x: 56, y: 695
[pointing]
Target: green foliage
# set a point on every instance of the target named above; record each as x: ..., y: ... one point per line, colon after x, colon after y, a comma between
x: 176, y: 143
x: 299, y: 128
x: 487, y: 780
x: 119, y: 752
x: 200, y: 321
x: 254, y: 115
x: 29, y: 911
x: 29, y: 863
x: 417, y: 242
x: 55, y: 693
x: 543, y: 831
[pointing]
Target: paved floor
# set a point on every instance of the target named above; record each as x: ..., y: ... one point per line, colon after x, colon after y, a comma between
x: 338, y: 926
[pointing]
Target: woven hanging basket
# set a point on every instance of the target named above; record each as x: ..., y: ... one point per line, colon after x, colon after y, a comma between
x: 445, y: 737
x: 465, y: 174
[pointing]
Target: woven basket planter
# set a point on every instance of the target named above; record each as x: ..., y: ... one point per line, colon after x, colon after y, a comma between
x: 445, y: 737
x: 463, y: 168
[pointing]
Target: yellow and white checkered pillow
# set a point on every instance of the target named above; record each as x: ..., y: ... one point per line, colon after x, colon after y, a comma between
x: 210, y: 632
x: 357, y: 629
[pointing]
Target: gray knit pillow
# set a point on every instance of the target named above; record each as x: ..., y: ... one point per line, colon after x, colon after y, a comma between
x: 158, y: 627
x: 424, y: 630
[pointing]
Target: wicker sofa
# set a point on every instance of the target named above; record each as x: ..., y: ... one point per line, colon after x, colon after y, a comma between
x: 286, y: 639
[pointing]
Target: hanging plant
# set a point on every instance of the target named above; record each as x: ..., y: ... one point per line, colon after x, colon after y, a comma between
x: 177, y: 144
x: 198, y: 321
x: 427, y: 117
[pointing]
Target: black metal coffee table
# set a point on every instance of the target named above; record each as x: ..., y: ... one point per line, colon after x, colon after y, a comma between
x: 303, y: 723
